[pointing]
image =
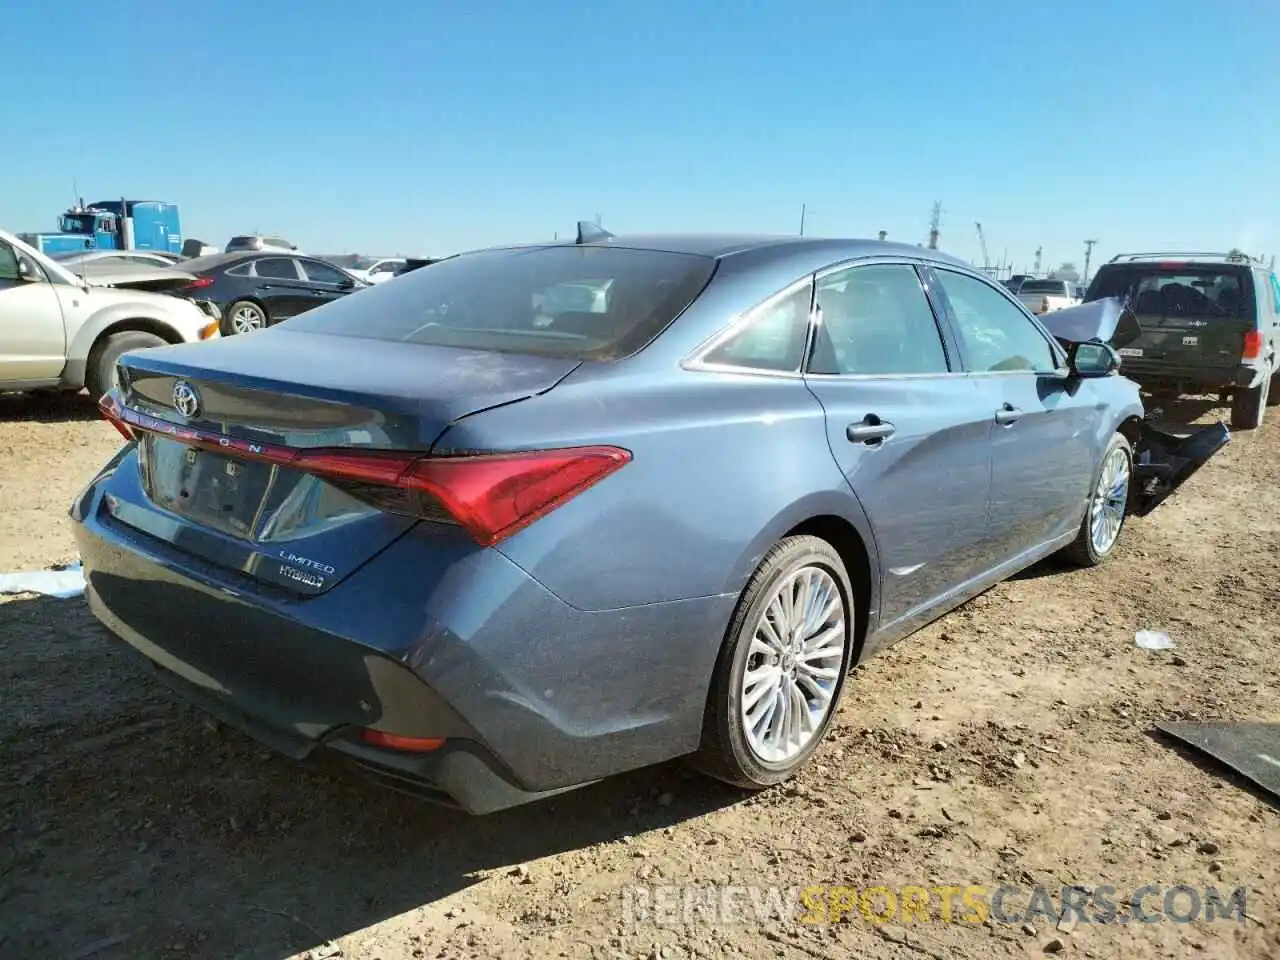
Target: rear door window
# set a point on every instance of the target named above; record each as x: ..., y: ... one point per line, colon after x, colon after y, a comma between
x: 498, y: 300
x: 876, y: 320
x: 276, y: 268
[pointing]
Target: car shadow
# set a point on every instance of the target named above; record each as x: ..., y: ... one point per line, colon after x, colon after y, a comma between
x: 60, y: 407
x: 136, y: 822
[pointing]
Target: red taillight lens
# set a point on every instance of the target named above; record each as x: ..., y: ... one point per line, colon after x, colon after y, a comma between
x: 396, y: 742
x: 199, y: 283
x: 111, y: 413
x: 494, y: 496
x: 1252, y: 345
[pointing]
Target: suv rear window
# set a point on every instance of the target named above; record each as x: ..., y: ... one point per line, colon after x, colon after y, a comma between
x: 1207, y: 291
x: 588, y: 303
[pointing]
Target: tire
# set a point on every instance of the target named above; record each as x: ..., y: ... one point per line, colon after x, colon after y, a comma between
x: 1086, y: 550
x: 251, y: 317
x: 1248, y: 407
x: 1273, y: 391
x: 100, y: 372
x: 729, y: 750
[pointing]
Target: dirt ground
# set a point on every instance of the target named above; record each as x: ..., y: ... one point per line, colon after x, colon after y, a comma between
x: 1009, y: 743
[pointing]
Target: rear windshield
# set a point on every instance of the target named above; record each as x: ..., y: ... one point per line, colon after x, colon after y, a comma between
x: 1179, y: 291
x: 588, y: 303
x: 1043, y: 286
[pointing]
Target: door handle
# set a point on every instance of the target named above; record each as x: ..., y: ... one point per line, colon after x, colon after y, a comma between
x: 870, y: 430
x: 1008, y: 415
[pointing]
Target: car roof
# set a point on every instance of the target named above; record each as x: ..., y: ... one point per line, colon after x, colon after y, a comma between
x: 766, y: 247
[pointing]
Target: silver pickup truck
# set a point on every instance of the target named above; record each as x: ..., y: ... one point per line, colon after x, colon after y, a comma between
x: 61, y: 331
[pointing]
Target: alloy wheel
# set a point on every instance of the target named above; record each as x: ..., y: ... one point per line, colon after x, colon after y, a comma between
x: 1106, y: 512
x: 793, y: 665
x: 247, y: 318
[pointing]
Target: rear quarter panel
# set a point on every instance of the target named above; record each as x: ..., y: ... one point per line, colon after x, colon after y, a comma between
x: 723, y: 466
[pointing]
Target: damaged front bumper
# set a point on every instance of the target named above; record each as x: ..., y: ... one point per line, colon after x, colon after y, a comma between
x: 1163, y: 461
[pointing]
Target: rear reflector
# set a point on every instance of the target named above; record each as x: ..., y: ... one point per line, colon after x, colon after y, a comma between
x: 492, y: 496
x: 396, y: 742
x: 1253, y: 343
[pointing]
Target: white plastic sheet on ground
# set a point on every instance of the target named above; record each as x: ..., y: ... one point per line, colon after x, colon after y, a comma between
x: 1153, y: 640
x: 62, y: 584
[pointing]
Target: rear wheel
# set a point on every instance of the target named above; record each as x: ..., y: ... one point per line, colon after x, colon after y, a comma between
x: 1104, y: 519
x: 782, y: 669
x: 243, y: 316
x: 101, y: 373
x: 1273, y: 391
x: 1248, y: 407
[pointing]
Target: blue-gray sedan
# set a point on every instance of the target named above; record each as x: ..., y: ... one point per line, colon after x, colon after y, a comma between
x: 532, y: 516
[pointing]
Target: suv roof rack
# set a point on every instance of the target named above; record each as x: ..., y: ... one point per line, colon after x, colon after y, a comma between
x: 1229, y: 257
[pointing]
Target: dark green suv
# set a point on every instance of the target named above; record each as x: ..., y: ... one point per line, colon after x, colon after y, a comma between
x: 1210, y: 324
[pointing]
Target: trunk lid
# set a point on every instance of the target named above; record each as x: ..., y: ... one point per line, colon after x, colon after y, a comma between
x: 207, y: 415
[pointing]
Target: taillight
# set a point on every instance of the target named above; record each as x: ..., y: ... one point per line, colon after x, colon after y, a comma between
x: 1252, y: 345
x: 199, y: 283
x: 110, y: 412
x: 492, y: 495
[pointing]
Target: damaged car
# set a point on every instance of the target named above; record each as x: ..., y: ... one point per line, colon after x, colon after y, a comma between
x: 521, y: 545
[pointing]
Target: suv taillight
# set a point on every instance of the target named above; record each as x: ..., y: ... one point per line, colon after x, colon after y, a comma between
x: 1252, y: 345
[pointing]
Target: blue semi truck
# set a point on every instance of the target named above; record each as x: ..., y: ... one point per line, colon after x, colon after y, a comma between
x: 113, y: 225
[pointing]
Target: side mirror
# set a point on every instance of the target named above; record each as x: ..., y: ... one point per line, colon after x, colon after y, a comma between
x: 27, y: 271
x: 348, y: 283
x: 1092, y: 359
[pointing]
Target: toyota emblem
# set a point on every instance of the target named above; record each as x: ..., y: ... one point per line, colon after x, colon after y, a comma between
x: 185, y: 399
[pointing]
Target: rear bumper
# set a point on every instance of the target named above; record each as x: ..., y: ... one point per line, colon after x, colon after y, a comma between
x: 462, y: 773
x: 1155, y: 375
x: 531, y: 695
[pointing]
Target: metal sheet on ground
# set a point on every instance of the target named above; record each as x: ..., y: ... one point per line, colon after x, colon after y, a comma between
x: 1251, y: 749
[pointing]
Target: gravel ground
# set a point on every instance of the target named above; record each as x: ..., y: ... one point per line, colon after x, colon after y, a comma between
x: 1009, y: 743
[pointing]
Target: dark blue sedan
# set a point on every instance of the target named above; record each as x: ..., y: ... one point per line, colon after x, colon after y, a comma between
x: 532, y: 516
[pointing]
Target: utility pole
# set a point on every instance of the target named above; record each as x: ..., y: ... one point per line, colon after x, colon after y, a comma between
x: 1088, y: 252
x: 883, y: 235
x: 935, y: 222
x: 982, y: 241
x: 1035, y: 271
x: 804, y: 209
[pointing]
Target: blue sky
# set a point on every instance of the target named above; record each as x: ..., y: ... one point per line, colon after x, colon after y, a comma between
x: 430, y: 127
